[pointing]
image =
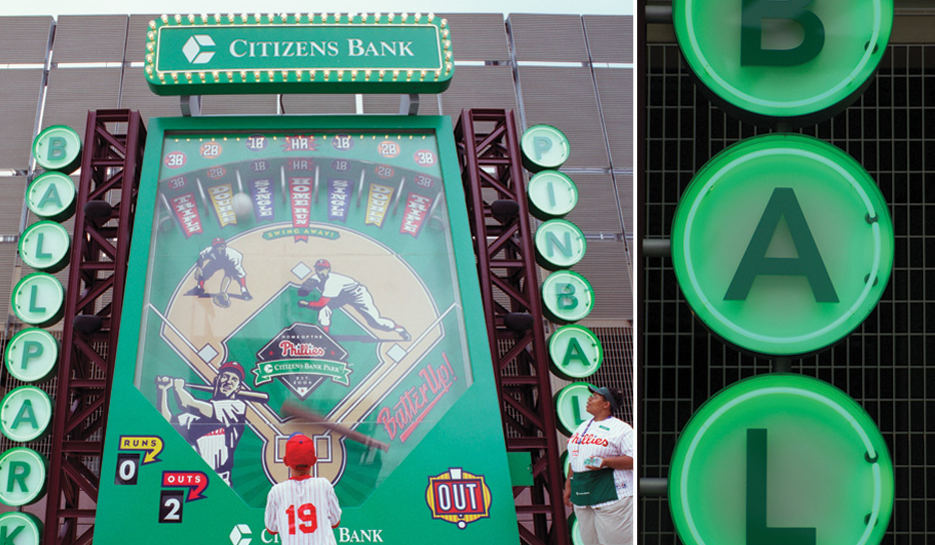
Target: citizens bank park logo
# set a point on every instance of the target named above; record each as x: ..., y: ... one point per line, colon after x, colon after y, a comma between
x: 458, y: 497
x: 302, y: 356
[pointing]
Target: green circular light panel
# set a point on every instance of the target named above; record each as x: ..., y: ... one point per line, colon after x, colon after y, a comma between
x: 551, y: 194
x: 782, y: 244
x: 22, y: 476
x: 544, y: 147
x: 567, y: 297
x: 31, y: 355
x: 783, y: 59
x: 39, y: 299
x: 44, y: 246
x: 25, y: 414
x: 52, y: 196
x: 25, y: 526
x: 57, y: 148
x: 570, y: 403
x: 790, y: 457
x: 575, y: 352
x: 560, y: 244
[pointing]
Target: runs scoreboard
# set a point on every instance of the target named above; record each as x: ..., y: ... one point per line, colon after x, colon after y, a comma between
x: 303, y: 274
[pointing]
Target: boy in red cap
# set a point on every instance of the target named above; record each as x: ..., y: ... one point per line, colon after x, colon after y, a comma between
x: 304, y: 509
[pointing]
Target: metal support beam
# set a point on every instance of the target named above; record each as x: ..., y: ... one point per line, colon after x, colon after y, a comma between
x: 110, y: 171
x: 191, y: 105
x: 492, y: 173
x: 409, y: 104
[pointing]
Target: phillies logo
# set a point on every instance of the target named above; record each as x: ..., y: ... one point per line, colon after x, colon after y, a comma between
x: 458, y: 497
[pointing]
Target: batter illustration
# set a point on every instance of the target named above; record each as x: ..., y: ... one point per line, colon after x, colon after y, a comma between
x: 338, y: 290
x: 213, y: 427
x: 218, y: 257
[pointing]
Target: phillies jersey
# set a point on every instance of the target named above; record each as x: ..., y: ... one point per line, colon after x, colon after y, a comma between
x: 606, y: 438
x: 302, y: 511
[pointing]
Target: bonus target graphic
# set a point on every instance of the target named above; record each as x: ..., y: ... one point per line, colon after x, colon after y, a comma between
x: 313, y: 280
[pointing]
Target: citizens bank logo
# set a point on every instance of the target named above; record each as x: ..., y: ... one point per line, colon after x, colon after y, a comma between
x: 241, y: 535
x: 193, y: 49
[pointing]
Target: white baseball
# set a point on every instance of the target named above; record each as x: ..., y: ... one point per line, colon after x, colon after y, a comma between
x: 242, y: 205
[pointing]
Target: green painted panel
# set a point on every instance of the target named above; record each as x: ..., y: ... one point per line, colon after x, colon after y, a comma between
x: 330, y: 257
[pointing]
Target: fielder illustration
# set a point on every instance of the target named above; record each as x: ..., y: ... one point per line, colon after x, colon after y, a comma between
x: 338, y: 290
x: 213, y: 427
x: 218, y: 257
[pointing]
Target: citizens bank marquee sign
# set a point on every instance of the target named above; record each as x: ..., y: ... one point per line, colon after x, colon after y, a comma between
x: 302, y: 274
x: 299, y: 53
x: 782, y: 245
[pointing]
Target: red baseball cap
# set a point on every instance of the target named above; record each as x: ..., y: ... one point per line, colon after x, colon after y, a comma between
x: 300, y: 451
x: 322, y: 264
x: 234, y: 367
x: 217, y: 241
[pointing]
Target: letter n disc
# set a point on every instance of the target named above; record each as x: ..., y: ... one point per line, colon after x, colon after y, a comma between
x: 782, y: 244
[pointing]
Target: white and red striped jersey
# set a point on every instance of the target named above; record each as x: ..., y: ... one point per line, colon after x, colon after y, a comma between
x: 302, y: 511
x: 606, y: 438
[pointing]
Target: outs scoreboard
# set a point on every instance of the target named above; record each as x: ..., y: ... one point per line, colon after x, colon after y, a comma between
x: 313, y: 275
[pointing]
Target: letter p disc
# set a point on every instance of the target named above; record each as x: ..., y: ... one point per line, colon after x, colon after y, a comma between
x: 781, y: 458
x: 782, y: 244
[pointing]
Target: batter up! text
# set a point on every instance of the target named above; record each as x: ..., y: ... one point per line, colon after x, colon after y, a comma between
x: 416, y: 402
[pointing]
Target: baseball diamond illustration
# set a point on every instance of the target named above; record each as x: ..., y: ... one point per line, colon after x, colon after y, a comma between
x: 302, y: 331
x: 214, y: 333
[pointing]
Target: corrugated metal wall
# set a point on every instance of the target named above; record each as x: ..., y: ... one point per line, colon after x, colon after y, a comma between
x: 884, y: 364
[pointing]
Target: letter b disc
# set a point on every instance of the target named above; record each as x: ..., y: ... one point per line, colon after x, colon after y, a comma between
x: 782, y: 244
x: 786, y: 59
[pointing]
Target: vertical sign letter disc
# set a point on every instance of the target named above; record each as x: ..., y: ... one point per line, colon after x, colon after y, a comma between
x: 786, y: 59
x: 782, y: 244
x: 790, y: 459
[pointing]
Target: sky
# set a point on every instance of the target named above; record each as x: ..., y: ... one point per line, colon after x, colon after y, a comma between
x: 99, y: 7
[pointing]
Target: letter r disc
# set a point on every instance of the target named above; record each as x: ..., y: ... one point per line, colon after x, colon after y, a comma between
x: 821, y: 467
x: 782, y: 244
x: 823, y: 51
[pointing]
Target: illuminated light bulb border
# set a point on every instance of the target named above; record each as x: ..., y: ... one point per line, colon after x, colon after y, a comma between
x: 309, y: 79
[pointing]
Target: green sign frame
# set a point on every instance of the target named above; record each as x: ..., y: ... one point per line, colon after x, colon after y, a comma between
x: 752, y: 57
x: 298, y: 53
x: 789, y: 455
x: 192, y: 169
x: 775, y: 227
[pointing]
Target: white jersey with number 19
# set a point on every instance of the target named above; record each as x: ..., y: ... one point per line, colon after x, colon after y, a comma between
x: 302, y: 511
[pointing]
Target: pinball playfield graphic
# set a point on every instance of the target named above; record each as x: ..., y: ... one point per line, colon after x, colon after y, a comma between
x: 306, y: 275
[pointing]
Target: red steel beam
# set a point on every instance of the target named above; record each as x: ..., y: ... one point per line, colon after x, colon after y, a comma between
x: 110, y: 170
x: 491, y: 169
